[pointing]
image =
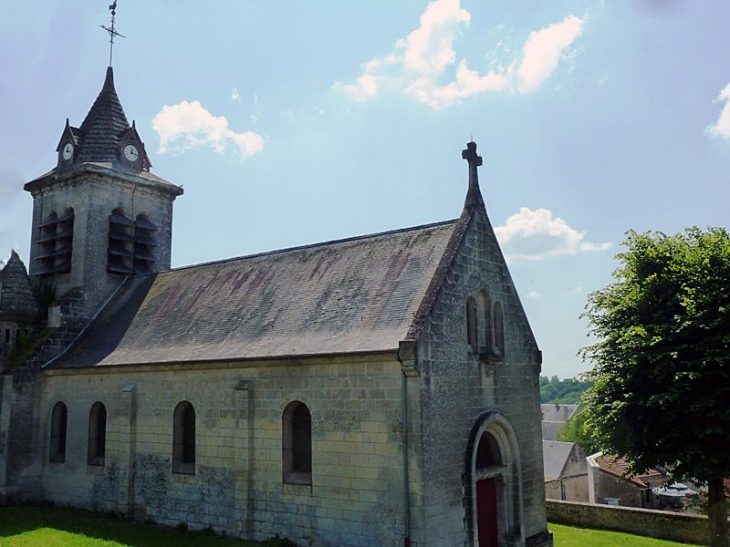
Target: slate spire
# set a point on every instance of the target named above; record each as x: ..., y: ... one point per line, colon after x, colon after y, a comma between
x: 17, y: 299
x: 474, y: 194
x: 104, y: 125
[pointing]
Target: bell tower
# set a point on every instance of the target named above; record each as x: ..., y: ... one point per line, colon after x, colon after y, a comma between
x: 100, y: 215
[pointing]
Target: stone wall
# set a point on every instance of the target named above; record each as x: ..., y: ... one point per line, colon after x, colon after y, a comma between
x: 356, y: 491
x: 93, y: 197
x: 680, y: 527
x: 463, y: 386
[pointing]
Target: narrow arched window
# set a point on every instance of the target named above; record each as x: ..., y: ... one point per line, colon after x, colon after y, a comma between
x: 183, y: 439
x: 59, y: 424
x: 97, y: 434
x: 488, y: 331
x: 297, y: 444
x: 498, y: 329
x: 472, y: 334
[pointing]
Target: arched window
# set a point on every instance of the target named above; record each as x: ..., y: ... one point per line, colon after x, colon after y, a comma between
x: 472, y: 335
x: 297, y: 444
x: 59, y: 424
x: 97, y: 434
x: 498, y: 329
x: 488, y: 331
x: 183, y: 439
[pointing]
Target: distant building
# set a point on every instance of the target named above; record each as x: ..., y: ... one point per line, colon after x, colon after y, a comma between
x: 377, y: 390
x: 554, y: 418
x: 566, y: 471
x: 610, y: 482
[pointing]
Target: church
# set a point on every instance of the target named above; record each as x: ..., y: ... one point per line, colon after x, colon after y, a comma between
x: 376, y: 390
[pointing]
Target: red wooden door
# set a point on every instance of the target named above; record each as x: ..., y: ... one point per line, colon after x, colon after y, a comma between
x: 487, y: 513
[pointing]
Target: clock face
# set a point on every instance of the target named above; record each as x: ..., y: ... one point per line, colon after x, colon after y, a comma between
x: 68, y: 151
x: 131, y: 152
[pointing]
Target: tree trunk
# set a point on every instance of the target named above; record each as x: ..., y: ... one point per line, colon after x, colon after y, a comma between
x: 717, y: 512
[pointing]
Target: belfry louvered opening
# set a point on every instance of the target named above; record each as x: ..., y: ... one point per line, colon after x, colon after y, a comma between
x: 121, y: 244
x: 56, y: 243
x: 144, y: 245
x: 131, y: 244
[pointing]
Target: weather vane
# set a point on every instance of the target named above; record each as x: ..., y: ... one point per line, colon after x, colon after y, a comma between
x: 112, y: 31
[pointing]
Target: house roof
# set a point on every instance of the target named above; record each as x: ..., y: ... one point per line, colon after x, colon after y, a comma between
x: 557, y: 412
x: 555, y: 456
x: 619, y: 467
x: 354, y: 295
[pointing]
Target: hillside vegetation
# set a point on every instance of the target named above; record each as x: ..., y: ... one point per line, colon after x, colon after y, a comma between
x: 568, y: 391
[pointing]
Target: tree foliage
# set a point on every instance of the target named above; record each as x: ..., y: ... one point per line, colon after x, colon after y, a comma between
x: 576, y: 431
x: 661, y: 365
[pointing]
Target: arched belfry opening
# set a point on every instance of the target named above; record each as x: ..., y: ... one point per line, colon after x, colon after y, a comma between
x: 493, y: 498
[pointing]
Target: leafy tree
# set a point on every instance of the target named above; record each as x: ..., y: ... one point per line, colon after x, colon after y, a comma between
x: 576, y: 431
x: 661, y: 365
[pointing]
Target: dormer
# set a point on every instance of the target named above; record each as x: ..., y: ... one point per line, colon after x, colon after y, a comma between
x: 131, y: 150
x: 68, y: 145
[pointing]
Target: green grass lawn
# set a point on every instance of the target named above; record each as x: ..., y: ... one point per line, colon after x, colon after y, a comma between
x: 567, y: 536
x: 48, y: 526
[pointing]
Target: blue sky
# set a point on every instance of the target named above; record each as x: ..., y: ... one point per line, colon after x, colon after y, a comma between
x: 289, y: 123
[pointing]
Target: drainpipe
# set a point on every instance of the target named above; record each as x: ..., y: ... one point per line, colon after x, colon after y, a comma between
x: 406, y: 356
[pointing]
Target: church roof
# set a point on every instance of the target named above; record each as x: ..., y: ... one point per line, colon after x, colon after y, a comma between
x: 17, y: 299
x: 104, y: 125
x: 350, y: 296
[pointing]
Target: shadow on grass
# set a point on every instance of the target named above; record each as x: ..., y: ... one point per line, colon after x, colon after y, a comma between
x: 24, y: 519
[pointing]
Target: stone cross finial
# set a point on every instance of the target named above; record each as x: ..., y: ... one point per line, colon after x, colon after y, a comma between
x: 470, y: 155
x: 474, y: 195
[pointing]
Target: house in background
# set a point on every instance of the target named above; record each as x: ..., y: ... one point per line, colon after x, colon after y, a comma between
x: 554, y: 417
x: 566, y: 471
x: 610, y: 482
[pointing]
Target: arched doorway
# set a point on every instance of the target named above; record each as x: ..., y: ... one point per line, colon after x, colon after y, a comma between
x: 494, y: 504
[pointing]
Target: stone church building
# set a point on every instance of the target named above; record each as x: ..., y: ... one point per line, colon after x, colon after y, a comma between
x: 377, y: 390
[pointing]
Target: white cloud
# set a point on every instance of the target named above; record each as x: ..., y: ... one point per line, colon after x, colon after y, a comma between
x: 543, y: 51
x: 235, y: 95
x: 429, y: 48
x: 534, y: 235
x: 721, y: 128
x: 421, y: 60
x: 468, y: 82
x: 364, y: 88
x: 188, y: 125
x: 533, y: 294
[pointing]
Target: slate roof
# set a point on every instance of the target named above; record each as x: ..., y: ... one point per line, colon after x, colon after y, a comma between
x: 17, y: 299
x: 554, y: 416
x: 557, y: 412
x: 104, y: 125
x: 356, y: 295
x: 555, y: 456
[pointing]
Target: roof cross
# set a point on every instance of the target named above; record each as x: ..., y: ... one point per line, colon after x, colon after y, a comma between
x: 474, y: 195
x: 470, y: 155
x: 112, y: 30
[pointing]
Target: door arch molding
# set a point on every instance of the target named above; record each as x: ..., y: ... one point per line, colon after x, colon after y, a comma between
x: 493, y: 455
